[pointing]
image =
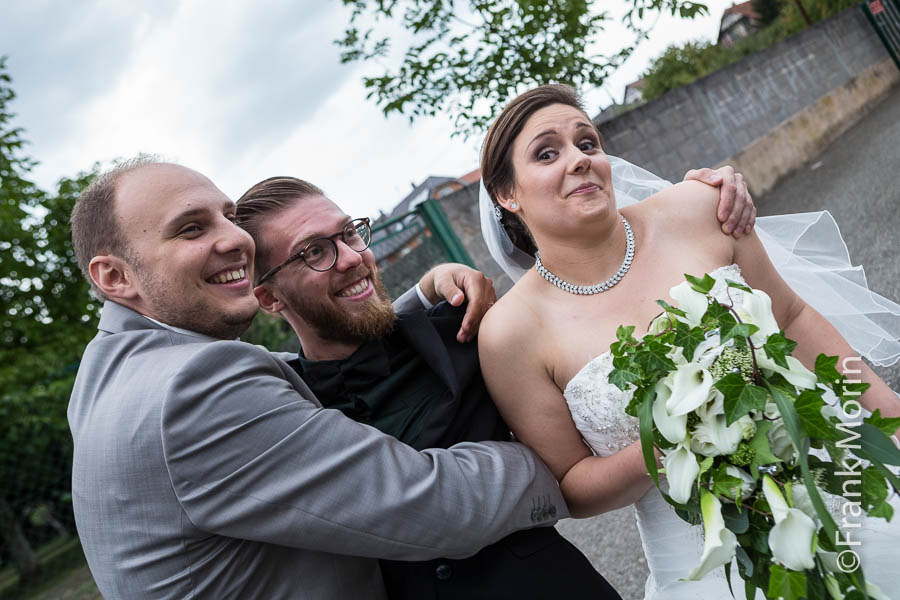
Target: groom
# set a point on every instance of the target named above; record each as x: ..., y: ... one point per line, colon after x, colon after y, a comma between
x: 408, y: 375
x: 205, y: 467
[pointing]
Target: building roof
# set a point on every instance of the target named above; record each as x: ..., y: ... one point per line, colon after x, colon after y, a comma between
x: 744, y: 9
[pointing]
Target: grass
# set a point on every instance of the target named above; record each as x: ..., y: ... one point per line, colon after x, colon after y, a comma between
x: 64, y: 576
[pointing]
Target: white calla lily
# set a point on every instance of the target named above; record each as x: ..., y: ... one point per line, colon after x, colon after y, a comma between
x: 757, y: 309
x: 691, y: 384
x: 713, y: 407
x: 673, y: 428
x: 796, y: 373
x: 681, y: 472
x: 713, y: 437
x: 792, y: 538
x: 718, y: 541
x: 709, y: 349
x: 693, y: 303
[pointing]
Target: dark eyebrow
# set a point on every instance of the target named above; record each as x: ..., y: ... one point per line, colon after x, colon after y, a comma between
x: 227, y: 206
x: 301, y: 244
x: 549, y: 132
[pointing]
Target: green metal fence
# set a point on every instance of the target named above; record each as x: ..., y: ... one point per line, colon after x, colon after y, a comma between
x: 885, y: 18
x: 407, y: 246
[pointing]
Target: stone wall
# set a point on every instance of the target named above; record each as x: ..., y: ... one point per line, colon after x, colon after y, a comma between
x: 766, y: 115
x: 719, y: 118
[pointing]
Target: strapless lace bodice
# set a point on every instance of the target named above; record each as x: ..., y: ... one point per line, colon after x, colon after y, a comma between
x: 672, y: 547
x: 598, y: 407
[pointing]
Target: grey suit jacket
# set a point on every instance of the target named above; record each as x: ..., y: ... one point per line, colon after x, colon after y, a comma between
x: 206, y: 469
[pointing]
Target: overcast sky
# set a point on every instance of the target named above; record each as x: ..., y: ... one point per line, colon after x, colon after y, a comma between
x: 240, y: 91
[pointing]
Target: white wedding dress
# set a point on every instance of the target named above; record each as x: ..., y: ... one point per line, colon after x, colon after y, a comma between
x: 672, y: 546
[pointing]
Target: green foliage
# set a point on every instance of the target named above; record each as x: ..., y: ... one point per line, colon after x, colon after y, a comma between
x: 680, y: 65
x: 768, y: 10
x: 470, y: 58
x: 781, y: 416
x: 787, y: 584
x: 48, y: 317
x: 274, y: 333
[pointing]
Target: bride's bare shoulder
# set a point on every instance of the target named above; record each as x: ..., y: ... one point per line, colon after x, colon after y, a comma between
x: 689, y: 206
x: 511, y: 322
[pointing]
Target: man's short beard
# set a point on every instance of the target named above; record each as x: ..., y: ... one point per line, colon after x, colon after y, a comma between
x: 373, y: 321
x: 196, y: 317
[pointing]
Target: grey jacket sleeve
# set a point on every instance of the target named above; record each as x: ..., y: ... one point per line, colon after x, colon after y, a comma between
x: 250, y: 458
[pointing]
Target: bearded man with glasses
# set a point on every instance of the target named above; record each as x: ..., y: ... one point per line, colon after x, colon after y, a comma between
x: 411, y: 374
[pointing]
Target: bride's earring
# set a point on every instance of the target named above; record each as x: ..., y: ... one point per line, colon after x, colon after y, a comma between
x: 514, y: 206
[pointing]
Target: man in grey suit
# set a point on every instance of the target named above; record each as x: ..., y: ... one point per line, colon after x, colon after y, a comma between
x: 204, y: 467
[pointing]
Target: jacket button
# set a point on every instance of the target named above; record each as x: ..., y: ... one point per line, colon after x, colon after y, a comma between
x: 443, y: 572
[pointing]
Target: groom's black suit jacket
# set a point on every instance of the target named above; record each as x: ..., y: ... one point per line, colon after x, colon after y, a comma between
x: 530, y: 564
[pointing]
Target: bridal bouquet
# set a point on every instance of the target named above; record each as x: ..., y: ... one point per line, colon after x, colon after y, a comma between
x: 734, y: 415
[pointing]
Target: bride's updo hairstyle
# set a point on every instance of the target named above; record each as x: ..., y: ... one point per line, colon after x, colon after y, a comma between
x: 497, y: 171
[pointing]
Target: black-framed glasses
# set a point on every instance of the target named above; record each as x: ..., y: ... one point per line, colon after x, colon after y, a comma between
x: 321, y: 253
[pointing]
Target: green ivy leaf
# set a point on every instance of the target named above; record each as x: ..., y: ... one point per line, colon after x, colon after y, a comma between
x: 653, y: 360
x: 739, y: 331
x: 738, y: 285
x: 688, y: 338
x: 719, y: 313
x: 883, y: 510
x: 702, y: 285
x: 873, y: 488
x: 624, y: 334
x: 740, y: 398
x: 786, y: 584
x: 809, y: 408
x: 777, y: 347
x: 624, y: 376
x: 724, y: 484
x: 888, y: 425
x: 826, y: 369
x: 671, y: 309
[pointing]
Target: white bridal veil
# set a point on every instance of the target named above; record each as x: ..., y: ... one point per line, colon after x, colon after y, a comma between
x: 806, y: 248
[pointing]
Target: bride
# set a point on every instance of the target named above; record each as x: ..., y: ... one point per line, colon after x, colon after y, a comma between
x: 544, y: 349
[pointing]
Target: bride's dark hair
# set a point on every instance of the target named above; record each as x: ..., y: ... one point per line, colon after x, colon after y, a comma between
x: 497, y: 171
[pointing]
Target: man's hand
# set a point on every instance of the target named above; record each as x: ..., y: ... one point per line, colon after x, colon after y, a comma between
x: 736, y: 211
x: 456, y: 284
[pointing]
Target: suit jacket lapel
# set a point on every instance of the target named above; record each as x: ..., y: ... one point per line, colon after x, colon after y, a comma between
x: 418, y: 329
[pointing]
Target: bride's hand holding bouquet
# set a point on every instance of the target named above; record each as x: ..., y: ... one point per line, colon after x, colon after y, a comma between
x: 717, y: 392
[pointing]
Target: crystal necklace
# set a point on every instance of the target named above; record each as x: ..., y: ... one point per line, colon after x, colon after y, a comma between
x: 599, y: 287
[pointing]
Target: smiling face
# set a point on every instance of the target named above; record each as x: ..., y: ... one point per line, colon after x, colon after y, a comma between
x: 189, y: 263
x: 346, y: 304
x: 562, y: 176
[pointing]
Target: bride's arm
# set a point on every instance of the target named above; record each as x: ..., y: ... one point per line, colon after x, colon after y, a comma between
x: 803, y: 324
x: 536, y: 412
